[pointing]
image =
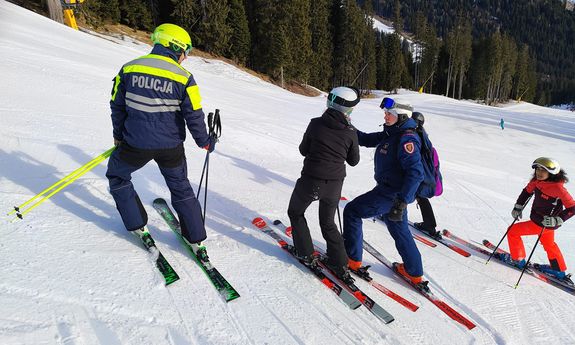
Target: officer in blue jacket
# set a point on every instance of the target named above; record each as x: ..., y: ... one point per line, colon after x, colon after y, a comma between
x: 153, y: 100
x: 398, y: 173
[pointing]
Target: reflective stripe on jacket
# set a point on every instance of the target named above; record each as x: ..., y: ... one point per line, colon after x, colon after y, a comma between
x: 153, y: 100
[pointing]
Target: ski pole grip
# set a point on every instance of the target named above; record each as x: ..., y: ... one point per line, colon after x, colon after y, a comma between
x: 210, y: 122
x: 217, y: 125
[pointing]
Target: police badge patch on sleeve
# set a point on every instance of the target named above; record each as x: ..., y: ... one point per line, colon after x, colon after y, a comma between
x: 409, y: 147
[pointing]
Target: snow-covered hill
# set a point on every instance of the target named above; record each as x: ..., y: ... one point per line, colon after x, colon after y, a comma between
x: 71, y: 274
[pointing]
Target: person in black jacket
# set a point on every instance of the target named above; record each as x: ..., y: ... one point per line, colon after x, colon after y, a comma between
x: 329, y: 142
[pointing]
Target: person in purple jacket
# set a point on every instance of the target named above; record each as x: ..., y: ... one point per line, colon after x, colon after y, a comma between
x: 153, y: 100
x: 398, y: 173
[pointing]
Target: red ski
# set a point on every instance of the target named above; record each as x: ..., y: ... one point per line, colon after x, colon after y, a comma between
x: 378, y: 286
x: 448, y: 310
x: 441, y: 240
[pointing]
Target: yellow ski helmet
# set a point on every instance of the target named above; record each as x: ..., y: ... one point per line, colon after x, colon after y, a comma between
x: 549, y: 164
x: 174, y: 37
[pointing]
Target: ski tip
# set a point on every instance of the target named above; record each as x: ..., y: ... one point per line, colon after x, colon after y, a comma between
x: 277, y: 222
x: 289, y: 231
x: 259, y: 222
x: 445, y: 232
x: 159, y: 200
x: 486, y: 242
x: 343, y: 198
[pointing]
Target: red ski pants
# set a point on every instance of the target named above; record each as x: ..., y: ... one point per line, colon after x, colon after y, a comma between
x: 517, y: 248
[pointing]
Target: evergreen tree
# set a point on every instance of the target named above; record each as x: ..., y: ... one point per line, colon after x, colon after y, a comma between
x: 369, y: 73
x: 136, y: 14
x: 428, y: 55
x: 279, y: 51
x: 214, y: 32
x: 395, y: 63
x: 478, y: 72
x: 465, y: 52
x: 419, y: 28
x: 260, y: 20
x: 186, y: 14
x: 99, y: 11
x: 509, y: 64
x: 349, y: 21
x: 297, y: 25
x: 397, y: 19
x: 321, y: 44
x: 495, y: 67
x: 381, y: 62
x: 237, y: 21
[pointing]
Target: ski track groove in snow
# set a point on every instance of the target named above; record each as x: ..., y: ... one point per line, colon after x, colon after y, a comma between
x: 71, y: 276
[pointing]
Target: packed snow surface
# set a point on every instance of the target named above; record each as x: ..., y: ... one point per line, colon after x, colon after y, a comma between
x: 71, y: 273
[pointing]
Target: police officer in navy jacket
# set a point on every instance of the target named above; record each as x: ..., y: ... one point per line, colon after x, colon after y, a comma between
x: 153, y: 100
x: 398, y: 173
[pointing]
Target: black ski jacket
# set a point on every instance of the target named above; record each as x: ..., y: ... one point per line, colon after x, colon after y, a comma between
x: 329, y: 141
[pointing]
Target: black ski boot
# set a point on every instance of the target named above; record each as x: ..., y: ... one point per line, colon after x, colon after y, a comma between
x: 362, y: 273
x: 430, y: 231
x: 341, y: 272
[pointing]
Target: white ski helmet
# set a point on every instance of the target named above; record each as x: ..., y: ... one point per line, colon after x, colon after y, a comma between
x: 400, y: 108
x: 343, y: 99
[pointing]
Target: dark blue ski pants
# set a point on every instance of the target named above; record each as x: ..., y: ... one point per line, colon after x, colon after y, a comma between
x: 172, y: 162
x: 372, y: 204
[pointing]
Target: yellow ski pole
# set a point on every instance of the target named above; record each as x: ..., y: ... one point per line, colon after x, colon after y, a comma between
x: 66, y: 181
x: 21, y: 213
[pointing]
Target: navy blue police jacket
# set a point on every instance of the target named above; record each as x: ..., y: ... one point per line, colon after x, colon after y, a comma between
x: 153, y: 100
x: 398, y: 167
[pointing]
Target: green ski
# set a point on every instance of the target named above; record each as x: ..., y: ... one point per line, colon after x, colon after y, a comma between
x: 220, y: 283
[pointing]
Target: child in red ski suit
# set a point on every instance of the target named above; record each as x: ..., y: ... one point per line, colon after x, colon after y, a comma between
x: 552, y: 206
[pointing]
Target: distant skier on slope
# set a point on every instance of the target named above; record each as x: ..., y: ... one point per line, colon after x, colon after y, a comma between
x: 398, y: 173
x: 502, y: 124
x: 153, y: 100
x: 328, y: 142
x: 547, y: 213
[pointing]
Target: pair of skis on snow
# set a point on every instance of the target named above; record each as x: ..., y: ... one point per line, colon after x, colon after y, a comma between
x: 350, y: 294
x: 532, y: 269
x: 224, y: 288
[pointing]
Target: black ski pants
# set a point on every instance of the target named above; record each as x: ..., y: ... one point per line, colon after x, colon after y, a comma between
x: 328, y: 193
x: 426, y: 213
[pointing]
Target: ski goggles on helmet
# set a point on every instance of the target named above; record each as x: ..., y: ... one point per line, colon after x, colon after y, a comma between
x: 389, y: 103
x: 171, y: 42
x: 551, y: 165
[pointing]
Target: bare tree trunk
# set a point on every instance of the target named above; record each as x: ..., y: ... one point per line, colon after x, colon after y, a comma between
x: 488, y: 95
x: 55, y: 10
x: 454, y: 85
x: 461, y: 72
x: 449, y: 73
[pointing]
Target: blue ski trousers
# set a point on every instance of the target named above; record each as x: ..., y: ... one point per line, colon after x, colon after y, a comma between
x: 172, y: 163
x: 373, y: 204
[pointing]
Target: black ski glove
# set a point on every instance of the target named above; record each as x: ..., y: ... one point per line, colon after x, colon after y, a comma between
x: 396, y: 212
